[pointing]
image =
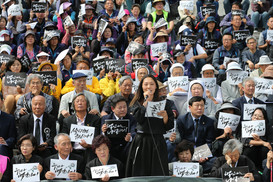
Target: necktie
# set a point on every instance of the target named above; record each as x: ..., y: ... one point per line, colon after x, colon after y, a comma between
x: 250, y: 101
x: 196, y: 126
x: 37, y: 131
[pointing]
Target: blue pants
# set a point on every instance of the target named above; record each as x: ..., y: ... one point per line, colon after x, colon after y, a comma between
x: 228, y: 4
x: 256, y: 17
x: 199, y: 3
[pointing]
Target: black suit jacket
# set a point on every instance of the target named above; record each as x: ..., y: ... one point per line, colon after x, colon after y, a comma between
x: 239, y: 103
x: 80, y: 162
x: 26, y: 125
x: 8, y: 129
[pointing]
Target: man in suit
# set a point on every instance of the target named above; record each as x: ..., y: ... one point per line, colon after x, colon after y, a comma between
x: 79, y: 81
x: 7, y: 131
x: 248, y: 97
x: 197, y: 127
x: 119, y: 146
x: 64, y: 147
x: 80, y: 105
x: 39, y: 123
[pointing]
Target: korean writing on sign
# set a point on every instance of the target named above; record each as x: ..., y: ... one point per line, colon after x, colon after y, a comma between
x: 26, y: 172
x: 154, y: 107
x: 235, y: 77
x: 235, y: 174
x: 228, y: 120
x: 115, y: 65
x: 249, y: 109
x: 99, y: 64
x: 263, y: 86
x: 202, y: 151
x: 38, y: 7
x: 14, y: 79
x: 210, y: 83
x: 184, y: 169
x: 178, y: 82
x: 4, y: 58
x: 62, y: 168
x: 238, y: 12
x: 208, y: 10
x: 101, y: 171
x: 117, y: 128
x: 68, y: 21
x: 78, y: 132
x: 188, y: 40
x: 251, y: 127
x: 48, y: 77
x: 186, y: 5
x: 137, y: 63
x: 241, y: 35
x: 211, y: 44
x: 158, y: 48
x: 14, y: 10
x: 78, y: 41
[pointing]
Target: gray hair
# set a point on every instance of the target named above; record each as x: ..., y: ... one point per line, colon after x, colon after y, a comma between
x: 32, y: 76
x: 122, y: 79
x: 249, y: 38
x: 56, y: 138
x: 232, y: 145
x: 247, y: 80
x: 86, y: 99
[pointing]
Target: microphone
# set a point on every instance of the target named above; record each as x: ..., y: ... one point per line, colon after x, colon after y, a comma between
x: 146, y: 97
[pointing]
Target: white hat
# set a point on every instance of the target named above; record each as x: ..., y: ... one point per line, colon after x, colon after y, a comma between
x: 61, y: 56
x: 209, y: 67
x: 5, y: 48
x: 42, y: 54
x: 176, y: 65
x: 182, y: 28
x: 264, y: 60
x: 233, y: 66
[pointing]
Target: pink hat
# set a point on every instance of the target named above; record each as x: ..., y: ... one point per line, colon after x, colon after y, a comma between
x: 126, y: 11
x: 66, y: 5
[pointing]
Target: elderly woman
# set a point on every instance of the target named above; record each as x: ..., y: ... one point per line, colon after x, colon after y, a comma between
x: 176, y: 70
x: 208, y: 71
x: 27, y: 145
x: 251, y: 55
x: 23, y: 105
x: 12, y: 94
x: 101, y: 145
x: 233, y: 158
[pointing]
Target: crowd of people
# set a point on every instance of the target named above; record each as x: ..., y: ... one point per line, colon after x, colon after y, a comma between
x: 193, y: 62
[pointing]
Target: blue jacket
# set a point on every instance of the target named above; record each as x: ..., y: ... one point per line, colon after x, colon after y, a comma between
x: 53, y: 54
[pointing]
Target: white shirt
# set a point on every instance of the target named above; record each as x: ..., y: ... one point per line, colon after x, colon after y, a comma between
x: 41, y: 124
x: 77, y: 145
x: 247, y: 99
x: 62, y: 158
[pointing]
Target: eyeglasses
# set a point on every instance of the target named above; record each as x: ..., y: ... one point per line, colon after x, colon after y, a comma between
x: 251, y: 43
x: 26, y: 146
x: 226, y: 40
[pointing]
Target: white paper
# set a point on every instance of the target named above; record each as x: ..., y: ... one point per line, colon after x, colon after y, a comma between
x: 210, y: 84
x: 78, y: 132
x: 178, y: 82
x: 186, y: 169
x: 82, y: 9
x: 68, y: 21
x: 14, y: 10
x: 251, y: 127
x: 154, y: 107
x: 160, y: 23
x: 101, y: 171
x: 186, y: 5
x: 168, y: 133
x: 159, y: 48
x: 202, y: 151
x: 61, y: 9
x: 89, y: 74
x: 102, y: 26
x: 62, y: 168
x: 26, y: 172
x: 249, y: 108
x: 235, y: 77
x: 263, y: 86
x: 32, y: 25
x: 269, y: 35
x: 228, y: 120
x: 226, y: 59
x: 121, y: 12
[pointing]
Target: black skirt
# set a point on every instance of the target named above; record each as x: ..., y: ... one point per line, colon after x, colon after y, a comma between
x: 143, y: 159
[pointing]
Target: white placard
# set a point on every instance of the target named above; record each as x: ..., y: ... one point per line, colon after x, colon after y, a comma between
x: 168, y: 133
x: 186, y: 169
x: 158, y: 48
x: 186, y: 5
x: 26, y: 172
x: 263, y: 86
x: 249, y: 108
x: 235, y: 77
x: 226, y: 59
x: 228, y: 120
x: 14, y: 10
x: 210, y: 84
x: 154, y: 107
x: 68, y: 21
x: 102, y: 25
x: 82, y: 9
x: 121, y: 12
x: 78, y: 132
x: 202, y: 151
x: 251, y: 127
x: 160, y: 23
x: 32, y: 25
x: 89, y: 74
x: 178, y: 82
x: 269, y: 35
x: 62, y: 168
x: 101, y: 171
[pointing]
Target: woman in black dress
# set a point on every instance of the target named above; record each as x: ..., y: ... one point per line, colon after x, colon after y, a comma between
x: 148, y: 153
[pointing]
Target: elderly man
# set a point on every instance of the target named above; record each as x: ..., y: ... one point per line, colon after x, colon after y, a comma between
x: 125, y: 86
x: 40, y: 124
x: 248, y: 97
x: 81, y: 117
x: 232, y: 158
x: 7, y: 131
x: 64, y: 148
x: 79, y: 81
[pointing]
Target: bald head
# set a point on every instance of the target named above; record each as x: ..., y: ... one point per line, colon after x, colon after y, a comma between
x: 38, y: 105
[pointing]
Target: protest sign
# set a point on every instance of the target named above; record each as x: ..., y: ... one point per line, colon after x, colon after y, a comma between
x: 25, y: 61
x: 178, y: 82
x: 5, y: 58
x: 34, y: 67
x: 188, y: 40
x: 38, y: 7
x: 26, y: 172
x: 14, y: 10
x: 228, y: 120
x: 68, y: 21
x: 235, y: 174
x: 14, y: 79
x: 263, y: 86
x: 211, y: 43
x: 160, y: 23
x: 251, y: 127
x: 137, y: 63
x: 121, y: 12
x: 115, y: 65
x: 62, y: 168
x: 186, y: 5
x: 49, y: 77
x: 101, y: 171
x: 102, y: 25
x: 154, y: 107
x: 89, y: 74
x: 135, y: 48
x: 117, y: 128
x: 249, y: 109
x: 99, y: 64
x: 238, y: 12
x: 168, y: 133
x: 210, y: 83
x: 79, y: 132
x: 49, y: 34
x: 202, y: 151
x: 158, y: 48
x: 78, y: 41
x: 235, y: 77
x: 186, y: 169
x: 227, y: 59
x: 208, y: 10
x: 241, y: 35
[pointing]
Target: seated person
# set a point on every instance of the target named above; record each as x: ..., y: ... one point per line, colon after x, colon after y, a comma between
x: 267, y: 75
x: 267, y: 170
x: 176, y: 70
x: 120, y: 146
x: 101, y: 146
x: 64, y: 147
x: 264, y: 62
x: 5, y: 171
x: 233, y: 158
x: 263, y: 42
x: 183, y: 153
x: 260, y: 13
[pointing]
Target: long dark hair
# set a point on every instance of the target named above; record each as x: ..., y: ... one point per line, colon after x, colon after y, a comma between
x: 139, y: 94
x: 264, y: 113
x: 11, y: 62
